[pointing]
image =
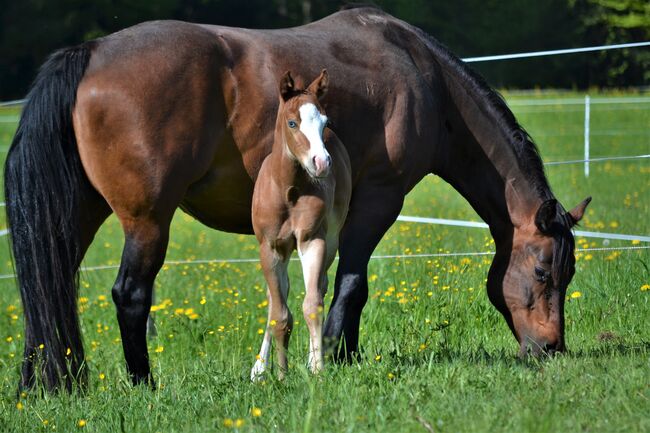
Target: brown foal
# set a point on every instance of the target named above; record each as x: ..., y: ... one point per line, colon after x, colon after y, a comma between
x: 300, y: 201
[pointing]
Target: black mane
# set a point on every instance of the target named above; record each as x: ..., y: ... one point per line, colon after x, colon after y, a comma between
x: 517, y: 137
x: 525, y: 150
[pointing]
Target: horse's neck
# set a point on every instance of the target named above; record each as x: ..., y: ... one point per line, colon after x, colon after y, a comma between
x: 480, y: 163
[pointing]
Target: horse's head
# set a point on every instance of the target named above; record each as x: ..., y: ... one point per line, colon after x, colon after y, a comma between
x: 303, y: 119
x: 529, y: 278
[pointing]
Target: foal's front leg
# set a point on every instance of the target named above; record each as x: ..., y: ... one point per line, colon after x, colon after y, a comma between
x: 280, y: 322
x: 313, y: 257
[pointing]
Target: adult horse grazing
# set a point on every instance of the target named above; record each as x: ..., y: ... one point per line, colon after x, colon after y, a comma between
x: 300, y: 201
x: 168, y: 114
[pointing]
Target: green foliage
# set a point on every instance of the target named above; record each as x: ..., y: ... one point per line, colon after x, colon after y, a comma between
x: 31, y: 29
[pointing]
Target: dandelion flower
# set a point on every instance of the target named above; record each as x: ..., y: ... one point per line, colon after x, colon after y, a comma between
x: 645, y: 287
x: 576, y: 295
x: 378, y: 358
x: 159, y: 349
x: 81, y: 423
x: 239, y: 422
x: 19, y: 406
x: 228, y: 422
x: 256, y: 412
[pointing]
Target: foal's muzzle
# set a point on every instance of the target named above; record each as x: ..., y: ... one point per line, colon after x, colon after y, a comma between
x: 321, y: 164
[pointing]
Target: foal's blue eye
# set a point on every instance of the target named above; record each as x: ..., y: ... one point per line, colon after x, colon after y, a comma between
x: 292, y: 124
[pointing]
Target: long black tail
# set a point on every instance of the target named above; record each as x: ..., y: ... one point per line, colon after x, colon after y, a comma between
x: 43, y: 177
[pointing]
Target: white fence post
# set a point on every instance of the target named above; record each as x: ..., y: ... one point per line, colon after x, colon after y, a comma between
x: 587, y: 109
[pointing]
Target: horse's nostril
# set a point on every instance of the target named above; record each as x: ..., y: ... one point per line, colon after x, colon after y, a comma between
x: 550, y: 348
x: 329, y: 160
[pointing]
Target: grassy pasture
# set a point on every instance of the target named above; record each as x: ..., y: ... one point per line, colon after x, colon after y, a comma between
x: 436, y: 355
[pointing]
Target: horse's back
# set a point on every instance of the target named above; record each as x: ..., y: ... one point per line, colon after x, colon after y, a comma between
x: 195, y: 104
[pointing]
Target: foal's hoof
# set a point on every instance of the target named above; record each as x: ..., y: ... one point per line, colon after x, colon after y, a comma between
x: 258, y: 371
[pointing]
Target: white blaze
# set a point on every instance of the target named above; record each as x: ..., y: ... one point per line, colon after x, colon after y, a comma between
x: 312, y: 123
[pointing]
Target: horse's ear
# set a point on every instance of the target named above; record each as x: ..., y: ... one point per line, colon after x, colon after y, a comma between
x: 546, y: 215
x: 320, y: 84
x: 287, y: 86
x: 578, y: 212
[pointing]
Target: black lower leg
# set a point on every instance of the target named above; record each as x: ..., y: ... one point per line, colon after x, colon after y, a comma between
x: 341, y: 331
x: 132, y: 296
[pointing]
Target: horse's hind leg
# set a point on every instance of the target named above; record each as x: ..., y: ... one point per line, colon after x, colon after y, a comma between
x: 143, y: 255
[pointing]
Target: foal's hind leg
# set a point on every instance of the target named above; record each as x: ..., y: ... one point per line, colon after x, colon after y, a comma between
x: 142, y: 257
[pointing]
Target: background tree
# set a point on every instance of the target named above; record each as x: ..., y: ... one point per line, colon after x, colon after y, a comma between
x: 31, y: 29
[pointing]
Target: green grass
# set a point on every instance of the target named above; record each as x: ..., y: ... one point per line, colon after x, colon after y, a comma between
x: 435, y: 352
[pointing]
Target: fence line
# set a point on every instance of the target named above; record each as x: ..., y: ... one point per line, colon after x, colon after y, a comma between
x: 514, y: 102
x: 587, y: 160
x: 555, y: 52
x: 378, y: 257
x: 578, y: 101
x: 490, y: 58
x: 482, y: 225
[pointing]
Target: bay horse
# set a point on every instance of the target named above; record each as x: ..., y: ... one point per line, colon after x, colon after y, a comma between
x: 300, y: 201
x: 169, y: 114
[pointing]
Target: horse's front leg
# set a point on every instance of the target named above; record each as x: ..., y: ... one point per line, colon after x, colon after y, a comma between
x: 373, y: 210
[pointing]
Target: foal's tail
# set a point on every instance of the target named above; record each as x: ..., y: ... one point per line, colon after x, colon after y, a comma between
x: 43, y: 176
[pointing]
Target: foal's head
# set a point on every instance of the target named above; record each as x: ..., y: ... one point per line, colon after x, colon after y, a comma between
x: 302, y: 120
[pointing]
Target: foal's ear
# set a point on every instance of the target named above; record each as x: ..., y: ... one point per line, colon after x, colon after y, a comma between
x: 287, y: 86
x: 578, y: 212
x: 320, y: 84
x: 546, y: 215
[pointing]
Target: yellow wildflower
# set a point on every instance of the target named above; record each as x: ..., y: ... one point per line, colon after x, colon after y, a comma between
x: 645, y: 287
x: 576, y: 295
x: 256, y: 412
x: 81, y: 423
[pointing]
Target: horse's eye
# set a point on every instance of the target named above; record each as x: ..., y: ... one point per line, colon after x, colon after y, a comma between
x: 292, y: 124
x: 540, y: 274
